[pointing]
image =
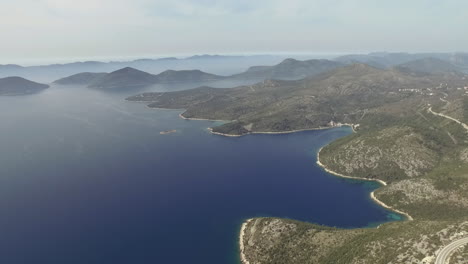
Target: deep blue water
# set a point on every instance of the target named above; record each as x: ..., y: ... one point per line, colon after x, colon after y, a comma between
x: 86, y: 178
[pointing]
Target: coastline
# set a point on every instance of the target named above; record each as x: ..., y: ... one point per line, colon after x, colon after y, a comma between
x: 272, y: 132
x: 200, y: 119
x: 243, y: 258
x: 372, y: 195
x: 241, y: 242
x: 181, y: 115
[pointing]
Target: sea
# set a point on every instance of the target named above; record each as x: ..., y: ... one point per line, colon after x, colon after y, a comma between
x: 87, y: 178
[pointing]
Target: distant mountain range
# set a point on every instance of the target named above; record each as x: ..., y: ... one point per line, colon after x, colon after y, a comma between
x: 208, y: 63
x: 388, y: 60
x: 229, y: 65
x: 428, y: 66
x: 289, y: 69
x: 19, y: 86
x: 130, y: 78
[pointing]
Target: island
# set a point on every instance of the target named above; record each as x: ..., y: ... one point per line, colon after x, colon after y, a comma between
x: 19, y: 86
x: 131, y: 78
x: 410, y: 125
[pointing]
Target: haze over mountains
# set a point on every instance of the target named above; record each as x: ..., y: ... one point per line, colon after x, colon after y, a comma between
x: 387, y: 60
x: 428, y: 66
x: 217, y: 64
x: 288, y: 69
x: 128, y: 78
x: 243, y: 67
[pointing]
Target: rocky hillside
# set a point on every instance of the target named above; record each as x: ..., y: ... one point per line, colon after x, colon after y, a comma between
x: 279, y: 241
x: 341, y: 95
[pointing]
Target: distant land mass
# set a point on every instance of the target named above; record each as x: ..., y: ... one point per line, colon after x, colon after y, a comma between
x: 19, y: 86
x: 217, y: 64
x: 124, y: 78
x: 289, y: 69
x: 428, y: 66
x: 411, y: 123
x: 130, y: 78
x: 388, y: 60
x: 84, y: 78
x: 171, y: 76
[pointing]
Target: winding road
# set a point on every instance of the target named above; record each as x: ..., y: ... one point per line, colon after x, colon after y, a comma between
x: 449, y: 117
x: 446, y: 252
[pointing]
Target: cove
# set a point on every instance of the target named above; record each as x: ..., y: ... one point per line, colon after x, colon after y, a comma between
x: 86, y: 177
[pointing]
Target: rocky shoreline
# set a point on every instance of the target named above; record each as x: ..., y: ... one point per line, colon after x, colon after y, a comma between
x: 241, y: 242
x: 372, y: 195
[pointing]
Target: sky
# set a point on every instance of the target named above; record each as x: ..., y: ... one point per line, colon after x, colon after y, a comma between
x: 35, y: 30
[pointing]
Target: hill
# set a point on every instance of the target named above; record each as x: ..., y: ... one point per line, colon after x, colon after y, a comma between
x: 230, y: 65
x: 289, y: 69
x: 129, y: 77
x: 339, y: 96
x: 124, y: 78
x: 19, y: 86
x: 428, y: 66
x: 84, y: 78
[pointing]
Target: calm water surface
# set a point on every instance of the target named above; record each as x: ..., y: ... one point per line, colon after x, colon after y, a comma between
x: 86, y: 178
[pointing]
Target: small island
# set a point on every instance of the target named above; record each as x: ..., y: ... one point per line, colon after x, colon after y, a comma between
x: 167, y: 132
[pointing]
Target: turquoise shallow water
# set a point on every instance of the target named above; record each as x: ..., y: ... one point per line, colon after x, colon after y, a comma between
x: 85, y: 177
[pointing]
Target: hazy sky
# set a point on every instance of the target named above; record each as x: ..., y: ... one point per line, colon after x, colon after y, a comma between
x: 50, y: 29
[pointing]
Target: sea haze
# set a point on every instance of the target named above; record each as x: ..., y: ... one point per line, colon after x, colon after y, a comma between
x: 85, y: 177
